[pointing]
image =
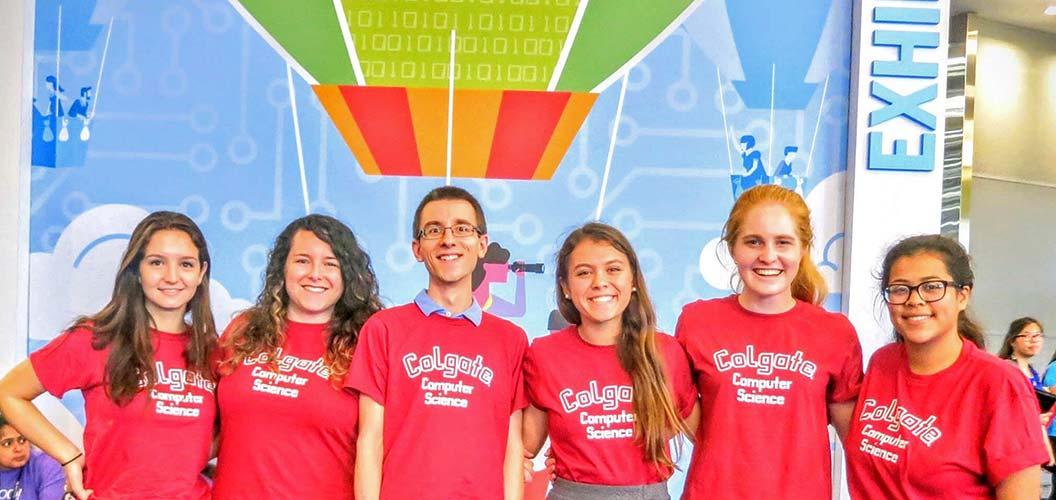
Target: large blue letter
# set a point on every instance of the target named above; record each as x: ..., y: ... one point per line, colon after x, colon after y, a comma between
x: 907, y: 42
x: 899, y: 159
x: 898, y: 104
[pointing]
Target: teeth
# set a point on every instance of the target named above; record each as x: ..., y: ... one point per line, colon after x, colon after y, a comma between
x: 315, y: 289
x: 917, y: 318
x: 606, y: 298
x: 448, y: 257
x: 768, y: 272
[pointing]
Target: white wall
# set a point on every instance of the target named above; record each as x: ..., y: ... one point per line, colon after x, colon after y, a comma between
x: 16, y: 23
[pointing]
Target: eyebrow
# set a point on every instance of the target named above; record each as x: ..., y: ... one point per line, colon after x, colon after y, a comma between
x: 457, y: 221
x: 926, y: 278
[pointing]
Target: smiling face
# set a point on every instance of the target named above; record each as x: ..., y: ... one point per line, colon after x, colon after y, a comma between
x: 449, y: 259
x: 1028, y: 342
x: 170, y: 272
x: 14, y: 449
x: 767, y: 252
x: 313, y: 279
x: 921, y: 323
x: 599, y: 283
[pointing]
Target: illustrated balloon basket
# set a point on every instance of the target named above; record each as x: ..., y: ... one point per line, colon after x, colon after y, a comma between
x: 495, y: 134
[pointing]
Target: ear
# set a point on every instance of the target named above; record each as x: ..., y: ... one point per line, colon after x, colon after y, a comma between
x: 963, y: 294
x: 564, y: 288
x: 416, y: 249
x: 201, y: 275
x: 482, y: 246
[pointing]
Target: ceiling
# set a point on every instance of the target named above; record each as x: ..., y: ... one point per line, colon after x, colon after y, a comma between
x: 1025, y: 13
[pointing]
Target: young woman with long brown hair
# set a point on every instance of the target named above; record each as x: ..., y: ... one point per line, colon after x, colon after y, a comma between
x: 938, y: 416
x: 143, y: 371
x: 773, y: 368
x: 287, y: 424
x: 609, y: 390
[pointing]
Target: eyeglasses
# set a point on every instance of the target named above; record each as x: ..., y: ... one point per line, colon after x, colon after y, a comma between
x: 1031, y: 337
x: 9, y: 442
x: 436, y: 231
x: 929, y: 291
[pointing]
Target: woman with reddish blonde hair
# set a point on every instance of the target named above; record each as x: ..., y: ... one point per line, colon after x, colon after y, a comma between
x: 773, y: 368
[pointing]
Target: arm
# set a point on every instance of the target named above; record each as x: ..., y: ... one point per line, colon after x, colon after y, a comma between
x: 513, y: 465
x: 18, y: 389
x: 840, y: 417
x: 534, y: 430
x: 1021, y: 485
x: 369, y: 449
x: 693, y: 422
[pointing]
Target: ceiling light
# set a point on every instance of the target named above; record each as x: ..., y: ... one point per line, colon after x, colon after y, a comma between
x: 1050, y: 10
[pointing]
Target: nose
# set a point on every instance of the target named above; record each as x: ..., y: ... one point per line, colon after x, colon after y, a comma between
x: 316, y: 270
x: 448, y: 236
x: 768, y: 254
x: 915, y: 298
x: 172, y: 273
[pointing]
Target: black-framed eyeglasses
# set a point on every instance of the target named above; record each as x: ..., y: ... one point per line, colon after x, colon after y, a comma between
x: 436, y: 231
x: 1032, y: 337
x: 929, y: 291
x: 9, y: 442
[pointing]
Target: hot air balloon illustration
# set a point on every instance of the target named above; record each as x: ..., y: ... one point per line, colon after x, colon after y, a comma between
x: 474, y: 88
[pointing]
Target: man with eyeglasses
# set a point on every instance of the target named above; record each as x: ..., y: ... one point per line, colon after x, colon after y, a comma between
x: 26, y: 473
x: 440, y: 381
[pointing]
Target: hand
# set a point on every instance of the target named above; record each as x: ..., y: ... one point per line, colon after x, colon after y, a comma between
x: 529, y: 468
x: 1046, y: 418
x: 75, y: 479
x: 551, y: 463
x: 520, y: 270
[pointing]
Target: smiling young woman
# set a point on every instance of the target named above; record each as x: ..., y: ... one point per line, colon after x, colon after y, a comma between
x: 939, y: 417
x: 610, y: 390
x: 773, y: 368
x: 284, y: 412
x: 144, y: 374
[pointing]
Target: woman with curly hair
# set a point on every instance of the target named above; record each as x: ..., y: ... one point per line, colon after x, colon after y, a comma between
x: 287, y: 424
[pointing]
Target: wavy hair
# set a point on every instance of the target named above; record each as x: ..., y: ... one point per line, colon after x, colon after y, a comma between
x: 656, y: 420
x: 264, y: 325
x: 808, y: 285
x: 124, y: 324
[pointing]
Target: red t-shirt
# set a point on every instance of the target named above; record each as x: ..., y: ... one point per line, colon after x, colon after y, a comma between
x: 587, y: 395
x: 765, y: 381
x: 156, y: 445
x: 448, y: 388
x: 953, y: 434
x: 286, y: 433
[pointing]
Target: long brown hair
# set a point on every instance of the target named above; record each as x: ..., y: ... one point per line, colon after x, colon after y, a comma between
x: 808, y: 285
x: 124, y: 325
x: 656, y: 420
x: 958, y: 264
x: 264, y: 325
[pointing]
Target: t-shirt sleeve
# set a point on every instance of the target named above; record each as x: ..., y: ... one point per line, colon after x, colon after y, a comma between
x: 520, y: 396
x: 1013, y: 438
x: 67, y: 362
x: 533, y: 379
x: 369, y: 371
x: 50, y: 480
x: 681, y: 379
x: 846, y: 382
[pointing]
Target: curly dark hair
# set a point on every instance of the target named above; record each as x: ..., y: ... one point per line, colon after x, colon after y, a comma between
x: 262, y: 327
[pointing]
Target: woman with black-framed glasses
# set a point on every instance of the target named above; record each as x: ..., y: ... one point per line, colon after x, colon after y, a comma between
x: 938, y: 416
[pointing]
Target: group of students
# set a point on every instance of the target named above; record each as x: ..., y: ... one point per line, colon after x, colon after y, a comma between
x: 317, y: 391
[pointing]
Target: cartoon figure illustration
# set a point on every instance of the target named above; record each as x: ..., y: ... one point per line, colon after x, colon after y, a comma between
x: 495, y: 268
x: 754, y: 170
x: 56, y: 112
x: 783, y: 175
x: 80, y: 109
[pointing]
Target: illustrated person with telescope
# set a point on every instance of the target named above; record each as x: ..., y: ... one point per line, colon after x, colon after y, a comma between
x: 495, y: 268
